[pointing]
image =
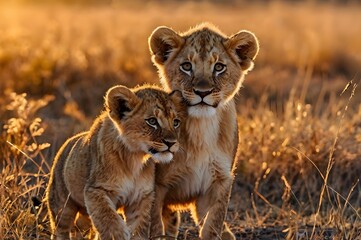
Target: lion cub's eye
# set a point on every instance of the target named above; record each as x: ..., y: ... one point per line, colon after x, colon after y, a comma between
x: 176, y: 123
x: 186, y: 67
x: 219, y: 68
x: 152, y: 122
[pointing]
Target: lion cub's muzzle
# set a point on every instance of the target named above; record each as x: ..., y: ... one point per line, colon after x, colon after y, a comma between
x: 202, y: 93
x: 166, y: 145
x: 164, y: 151
x: 202, y: 101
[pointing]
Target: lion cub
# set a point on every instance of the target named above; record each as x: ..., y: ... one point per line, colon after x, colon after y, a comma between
x: 107, y: 168
x: 208, y: 67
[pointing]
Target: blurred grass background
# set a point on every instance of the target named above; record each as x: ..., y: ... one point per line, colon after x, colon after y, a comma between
x: 296, y: 128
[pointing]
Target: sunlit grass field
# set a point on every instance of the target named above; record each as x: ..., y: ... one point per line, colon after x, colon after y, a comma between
x: 299, y: 109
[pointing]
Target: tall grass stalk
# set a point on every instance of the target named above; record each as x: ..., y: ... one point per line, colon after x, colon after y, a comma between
x: 331, y: 159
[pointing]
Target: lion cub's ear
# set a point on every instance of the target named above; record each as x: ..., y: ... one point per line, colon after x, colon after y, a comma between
x: 120, y: 100
x: 245, y: 45
x: 162, y: 43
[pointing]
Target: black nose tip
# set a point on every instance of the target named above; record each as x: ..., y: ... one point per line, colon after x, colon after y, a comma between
x: 169, y: 143
x: 202, y: 94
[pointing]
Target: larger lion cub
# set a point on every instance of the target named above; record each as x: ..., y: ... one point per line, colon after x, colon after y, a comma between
x: 108, y: 167
x: 208, y: 68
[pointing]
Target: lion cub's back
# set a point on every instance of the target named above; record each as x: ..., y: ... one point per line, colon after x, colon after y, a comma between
x: 77, y: 167
x: 65, y: 169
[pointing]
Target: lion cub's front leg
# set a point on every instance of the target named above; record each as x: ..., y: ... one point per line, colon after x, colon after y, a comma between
x: 211, y: 209
x: 104, y: 216
x: 157, y: 228
x: 138, y: 216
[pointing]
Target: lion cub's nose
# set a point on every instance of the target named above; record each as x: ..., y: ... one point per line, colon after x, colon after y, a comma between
x: 203, y: 94
x: 169, y: 142
x: 202, y: 88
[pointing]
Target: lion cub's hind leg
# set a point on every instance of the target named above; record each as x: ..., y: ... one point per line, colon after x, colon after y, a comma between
x: 62, y: 216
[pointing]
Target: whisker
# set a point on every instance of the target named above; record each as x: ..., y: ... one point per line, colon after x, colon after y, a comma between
x: 181, y: 149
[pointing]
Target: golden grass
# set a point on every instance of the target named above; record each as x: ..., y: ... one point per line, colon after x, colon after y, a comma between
x: 301, y: 166
x: 300, y: 140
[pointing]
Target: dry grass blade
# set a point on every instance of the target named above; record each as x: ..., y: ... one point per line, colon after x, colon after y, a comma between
x: 28, y: 157
x: 331, y: 158
x: 310, y: 160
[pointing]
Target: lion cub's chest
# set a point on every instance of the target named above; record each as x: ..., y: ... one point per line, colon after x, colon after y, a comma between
x: 127, y: 189
x: 205, y: 159
x: 206, y: 166
x: 200, y: 174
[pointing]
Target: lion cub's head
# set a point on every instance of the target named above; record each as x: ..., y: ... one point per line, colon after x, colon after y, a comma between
x: 204, y: 64
x: 147, y: 118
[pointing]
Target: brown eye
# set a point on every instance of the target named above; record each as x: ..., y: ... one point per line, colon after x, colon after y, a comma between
x: 186, y: 67
x: 152, y: 122
x: 176, y: 123
x: 219, y: 68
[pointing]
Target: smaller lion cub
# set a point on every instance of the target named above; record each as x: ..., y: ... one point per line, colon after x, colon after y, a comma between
x: 108, y: 168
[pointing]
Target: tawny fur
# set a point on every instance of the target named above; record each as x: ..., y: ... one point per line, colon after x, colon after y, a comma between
x: 200, y: 177
x: 107, y: 168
